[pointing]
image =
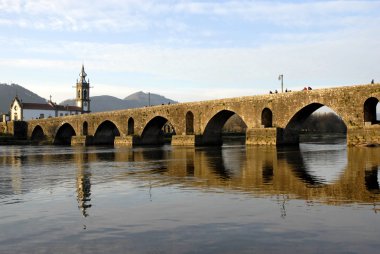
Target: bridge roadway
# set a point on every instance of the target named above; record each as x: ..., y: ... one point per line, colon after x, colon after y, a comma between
x: 273, y: 119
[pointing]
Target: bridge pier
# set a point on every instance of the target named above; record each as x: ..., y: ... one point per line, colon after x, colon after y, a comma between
x: 261, y: 136
x: 271, y: 137
x: 81, y: 140
x: 356, y: 136
x: 254, y: 136
x: 186, y: 140
x: 364, y: 136
x: 125, y: 141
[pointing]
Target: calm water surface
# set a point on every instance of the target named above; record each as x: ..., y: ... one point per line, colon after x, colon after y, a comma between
x: 318, y: 198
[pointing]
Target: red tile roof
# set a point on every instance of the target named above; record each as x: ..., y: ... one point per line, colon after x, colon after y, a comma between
x: 37, y: 106
x: 47, y: 106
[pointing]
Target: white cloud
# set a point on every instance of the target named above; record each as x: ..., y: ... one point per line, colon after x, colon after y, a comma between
x: 341, y: 59
x: 72, y: 15
x: 321, y: 43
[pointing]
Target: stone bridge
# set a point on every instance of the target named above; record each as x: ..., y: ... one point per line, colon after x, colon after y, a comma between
x: 273, y: 119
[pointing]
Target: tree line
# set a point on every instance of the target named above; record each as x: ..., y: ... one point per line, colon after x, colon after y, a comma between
x: 325, y: 123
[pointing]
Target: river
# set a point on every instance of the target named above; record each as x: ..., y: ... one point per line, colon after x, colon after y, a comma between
x: 320, y: 197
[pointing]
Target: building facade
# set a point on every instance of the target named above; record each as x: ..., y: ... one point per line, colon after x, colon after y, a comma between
x: 21, y: 111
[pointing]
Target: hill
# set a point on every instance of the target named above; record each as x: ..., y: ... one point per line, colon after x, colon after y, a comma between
x: 136, y: 100
x: 142, y: 99
x: 98, y: 103
x: 8, y: 93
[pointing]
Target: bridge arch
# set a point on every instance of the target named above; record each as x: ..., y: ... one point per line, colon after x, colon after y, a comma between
x: 267, y: 118
x: 64, y: 134
x: 294, y: 126
x: 295, y: 123
x: 131, y: 126
x: 153, y: 133
x: 370, y: 106
x: 105, y: 133
x: 37, y: 134
x: 189, y: 123
x: 85, y: 128
x: 212, y: 134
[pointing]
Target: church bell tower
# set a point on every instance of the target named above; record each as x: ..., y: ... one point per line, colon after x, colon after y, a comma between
x: 83, y: 92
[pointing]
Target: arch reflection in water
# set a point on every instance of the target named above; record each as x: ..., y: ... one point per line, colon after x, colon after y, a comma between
x: 319, y: 164
x: 268, y: 171
x: 264, y: 170
x: 336, y: 175
x: 372, y: 179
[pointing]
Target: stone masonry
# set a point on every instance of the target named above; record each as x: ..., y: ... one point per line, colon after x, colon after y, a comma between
x: 200, y: 123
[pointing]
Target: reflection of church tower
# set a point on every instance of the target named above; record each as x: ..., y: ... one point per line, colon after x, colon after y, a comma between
x: 83, y: 184
x: 84, y: 192
x: 83, y: 92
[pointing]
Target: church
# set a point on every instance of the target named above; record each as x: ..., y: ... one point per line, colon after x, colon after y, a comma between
x: 21, y: 111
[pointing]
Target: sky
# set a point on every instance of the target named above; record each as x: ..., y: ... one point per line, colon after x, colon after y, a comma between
x: 187, y: 50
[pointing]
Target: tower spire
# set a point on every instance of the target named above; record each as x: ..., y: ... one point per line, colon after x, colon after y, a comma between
x: 83, y: 92
x: 83, y: 75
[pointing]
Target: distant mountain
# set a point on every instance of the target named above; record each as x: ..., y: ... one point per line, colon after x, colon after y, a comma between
x: 136, y: 100
x: 142, y: 99
x: 101, y: 103
x: 8, y: 93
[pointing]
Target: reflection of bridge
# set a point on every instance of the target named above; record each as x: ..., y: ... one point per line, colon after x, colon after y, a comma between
x: 257, y: 170
x: 267, y: 171
x: 271, y: 120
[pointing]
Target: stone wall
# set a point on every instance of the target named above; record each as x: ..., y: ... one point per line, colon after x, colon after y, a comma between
x: 3, y: 128
x: 17, y: 129
x: 262, y: 136
x: 365, y: 136
x: 186, y: 140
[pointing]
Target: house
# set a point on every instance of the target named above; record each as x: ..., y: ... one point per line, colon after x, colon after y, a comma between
x: 21, y: 111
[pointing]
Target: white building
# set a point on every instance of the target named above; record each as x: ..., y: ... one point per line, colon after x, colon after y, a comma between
x: 20, y: 111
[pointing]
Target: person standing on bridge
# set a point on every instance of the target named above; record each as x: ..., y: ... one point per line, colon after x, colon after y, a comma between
x: 372, y: 81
